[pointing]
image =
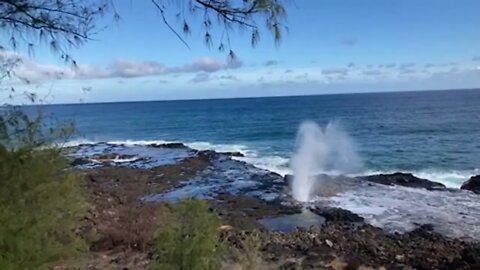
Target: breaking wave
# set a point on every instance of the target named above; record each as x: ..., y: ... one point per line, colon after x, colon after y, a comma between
x: 280, y: 164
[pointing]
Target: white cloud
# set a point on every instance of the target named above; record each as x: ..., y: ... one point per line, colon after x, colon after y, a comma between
x: 30, y: 71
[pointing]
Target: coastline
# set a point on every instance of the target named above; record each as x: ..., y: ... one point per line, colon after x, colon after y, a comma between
x: 129, y: 193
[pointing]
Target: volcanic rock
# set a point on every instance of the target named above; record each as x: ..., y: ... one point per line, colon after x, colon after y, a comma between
x: 473, y: 184
x: 80, y: 161
x: 404, y: 179
x: 170, y: 145
x: 334, y: 214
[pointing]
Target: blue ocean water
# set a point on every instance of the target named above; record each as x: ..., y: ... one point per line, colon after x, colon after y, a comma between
x: 435, y: 134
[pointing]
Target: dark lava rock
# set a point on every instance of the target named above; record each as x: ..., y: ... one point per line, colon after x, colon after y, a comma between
x: 471, y: 255
x: 232, y: 154
x: 170, y: 145
x: 334, y: 214
x: 404, y: 179
x: 366, y: 245
x: 288, y: 178
x: 80, y: 162
x: 473, y: 184
x: 208, y: 154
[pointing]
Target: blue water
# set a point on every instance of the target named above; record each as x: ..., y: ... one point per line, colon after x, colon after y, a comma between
x: 435, y: 133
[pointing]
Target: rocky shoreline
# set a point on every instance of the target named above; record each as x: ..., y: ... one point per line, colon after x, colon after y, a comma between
x: 130, y: 191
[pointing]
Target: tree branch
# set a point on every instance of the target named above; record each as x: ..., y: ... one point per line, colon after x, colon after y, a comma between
x: 162, y: 12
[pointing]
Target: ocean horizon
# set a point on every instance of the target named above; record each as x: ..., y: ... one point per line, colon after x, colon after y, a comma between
x: 251, y: 97
x: 428, y: 133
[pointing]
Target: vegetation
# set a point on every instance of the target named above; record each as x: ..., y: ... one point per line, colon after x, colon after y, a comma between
x: 40, y: 202
x: 191, y: 240
x: 71, y: 23
x: 246, y: 254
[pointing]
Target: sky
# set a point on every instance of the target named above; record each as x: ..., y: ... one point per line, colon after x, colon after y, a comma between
x: 331, y: 46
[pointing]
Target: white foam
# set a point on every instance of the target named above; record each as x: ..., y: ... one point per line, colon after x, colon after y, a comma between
x: 275, y: 164
x: 140, y: 142
x: 451, y: 179
x: 271, y: 163
x: 280, y: 165
x: 78, y: 142
x: 124, y: 160
x: 220, y: 147
x: 396, y: 208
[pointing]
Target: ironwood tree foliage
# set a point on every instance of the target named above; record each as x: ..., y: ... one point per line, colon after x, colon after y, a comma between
x: 227, y: 15
x: 58, y: 23
x: 65, y: 23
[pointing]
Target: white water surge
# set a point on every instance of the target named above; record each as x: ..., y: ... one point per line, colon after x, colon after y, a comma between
x: 321, y: 150
x: 280, y: 163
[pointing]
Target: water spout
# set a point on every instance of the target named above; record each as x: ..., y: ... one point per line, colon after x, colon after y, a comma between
x: 321, y: 150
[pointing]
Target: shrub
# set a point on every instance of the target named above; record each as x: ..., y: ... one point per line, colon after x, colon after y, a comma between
x: 190, y: 240
x: 40, y: 201
x: 246, y: 252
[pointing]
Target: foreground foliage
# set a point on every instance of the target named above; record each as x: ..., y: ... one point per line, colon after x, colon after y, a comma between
x: 40, y: 202
x: 191, y: 239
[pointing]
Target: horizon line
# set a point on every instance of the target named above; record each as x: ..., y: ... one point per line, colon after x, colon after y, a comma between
x: 251, y: 97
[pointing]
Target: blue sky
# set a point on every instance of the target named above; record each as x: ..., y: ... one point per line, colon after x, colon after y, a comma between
x: 332, y: 46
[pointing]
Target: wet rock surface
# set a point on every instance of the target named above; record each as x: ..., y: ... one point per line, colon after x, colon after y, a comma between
x: 404, y: 179
x: 123, y: 220
x: 337, y: 215
x: 473, y: 184
x: 169, y: 145
x: 80, y: 161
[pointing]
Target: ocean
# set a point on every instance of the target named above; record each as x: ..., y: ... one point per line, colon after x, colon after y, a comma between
x: 433, y: 134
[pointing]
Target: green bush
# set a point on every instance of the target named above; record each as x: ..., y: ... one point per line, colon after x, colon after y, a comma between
x: 247, y: 255
x: 190, y: 240
x: 41, y: 202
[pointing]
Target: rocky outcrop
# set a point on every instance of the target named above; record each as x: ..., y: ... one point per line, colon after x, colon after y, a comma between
x: 359, y: 246
x: 169, y: 145
x: 473, y: 184
x: 337, y: 215
x: 404, y: 179
x: 232, y: 154
x: 80, y: 161
x: 288, y: 178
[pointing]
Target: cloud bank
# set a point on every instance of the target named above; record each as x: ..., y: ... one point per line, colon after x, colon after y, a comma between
x: 30, y: 71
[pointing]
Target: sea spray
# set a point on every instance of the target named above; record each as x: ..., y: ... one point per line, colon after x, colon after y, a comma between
x: 326, y: 150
